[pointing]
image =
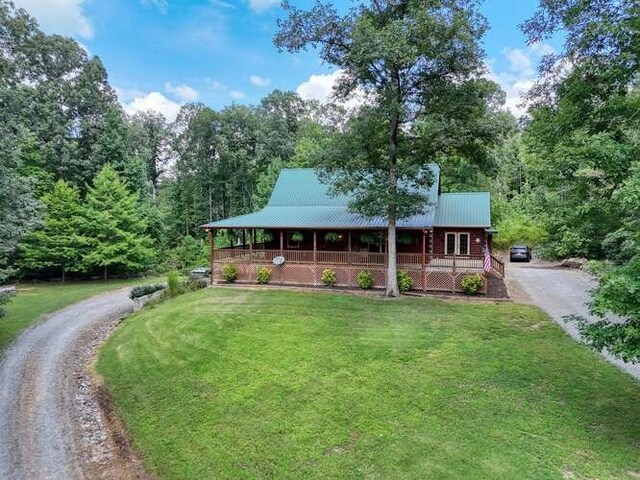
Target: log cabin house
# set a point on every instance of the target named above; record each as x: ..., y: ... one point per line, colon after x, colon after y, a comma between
x: 312, y: 230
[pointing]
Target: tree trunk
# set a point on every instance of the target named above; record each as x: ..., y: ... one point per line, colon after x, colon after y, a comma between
x: 210, y: 205
x: 105, y: 273
x: 392, y: 266
x: 63, y: 273
x: 154, y: 192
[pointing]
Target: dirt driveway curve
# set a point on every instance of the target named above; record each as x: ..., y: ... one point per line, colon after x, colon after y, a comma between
x: 559, y: 292
x: 50, y: 423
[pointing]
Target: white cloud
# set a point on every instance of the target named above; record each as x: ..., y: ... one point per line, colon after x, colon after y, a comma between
x: 183, y: 92
x: 153, y: 101
x: 125, y: 94
x: 519, y: 61
x: 262, y: 5
x: 519, y: 75
x: 259, y: 81
x: 64, y: 17
x: 320, y: 87
x: 542, y: 49
x: 222, y: 88
x: 215, y: 84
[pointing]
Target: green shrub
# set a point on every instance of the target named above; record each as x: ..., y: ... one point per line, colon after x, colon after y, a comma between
x: 332, y: 237
x: 329, y: 277
x: 193, y: 285
x: 190, y: 252
x: 516, y: 229
x: 472, y: 283
x: 264, y: 275
x: 365, y: 280
x: 405, y: 282
x: 173, y: 284
x: 267, y: 237
x: 143, y: 290
x: 229, y: 272
x: 5, y: 296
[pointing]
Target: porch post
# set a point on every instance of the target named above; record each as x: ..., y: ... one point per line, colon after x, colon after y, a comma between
x: 281, y: 242
x: 251, y: 246
x: 244, y: 239
x: 424, y: 258
x: 315, y: 246
x: 349, y: 247
x: 431, y: 242
x: 212, y: 244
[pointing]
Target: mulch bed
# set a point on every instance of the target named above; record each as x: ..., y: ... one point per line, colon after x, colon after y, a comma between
x: 496, y: 290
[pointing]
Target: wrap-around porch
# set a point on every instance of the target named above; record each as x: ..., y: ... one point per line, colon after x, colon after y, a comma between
x: 436, y: 261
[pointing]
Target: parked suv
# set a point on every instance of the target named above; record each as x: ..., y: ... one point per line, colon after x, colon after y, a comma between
x: 520, y: 253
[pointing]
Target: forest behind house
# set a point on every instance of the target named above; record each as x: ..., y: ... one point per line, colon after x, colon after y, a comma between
x: 87, y: 190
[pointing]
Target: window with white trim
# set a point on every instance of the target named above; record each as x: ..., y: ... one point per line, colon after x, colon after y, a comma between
x: 450, y: 243
x: 464, y: 243
x: 457, y: 243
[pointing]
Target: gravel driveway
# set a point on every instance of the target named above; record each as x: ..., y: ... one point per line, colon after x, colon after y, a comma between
x: 50, y: 423
x: 559, y: 292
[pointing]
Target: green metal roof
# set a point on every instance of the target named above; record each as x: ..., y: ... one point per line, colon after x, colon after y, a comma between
x: 301, y: 187
x: 470, y: 209
x: 300, y: 200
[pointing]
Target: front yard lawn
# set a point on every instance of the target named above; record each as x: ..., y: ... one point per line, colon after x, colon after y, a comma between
x: 251, y: 383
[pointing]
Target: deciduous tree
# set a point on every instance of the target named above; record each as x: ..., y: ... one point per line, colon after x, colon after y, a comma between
x: 402, y: 56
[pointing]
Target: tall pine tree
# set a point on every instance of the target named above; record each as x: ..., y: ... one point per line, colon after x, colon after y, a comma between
x: 59, y: 243
x: 114, y: 225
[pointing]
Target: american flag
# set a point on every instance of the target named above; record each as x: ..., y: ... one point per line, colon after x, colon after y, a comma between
x: 487, y: 259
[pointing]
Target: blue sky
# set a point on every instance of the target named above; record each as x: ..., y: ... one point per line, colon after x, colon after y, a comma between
x: 163, y: 53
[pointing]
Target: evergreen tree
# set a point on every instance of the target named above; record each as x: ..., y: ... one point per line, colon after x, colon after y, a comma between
x: 58, y: 243
x: 114, y: 226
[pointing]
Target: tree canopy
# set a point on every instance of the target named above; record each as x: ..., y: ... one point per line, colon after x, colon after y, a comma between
x: 415, y: 64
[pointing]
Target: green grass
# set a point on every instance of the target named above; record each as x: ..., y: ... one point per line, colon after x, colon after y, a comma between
x: 237, y: 383
x: 33, y: 301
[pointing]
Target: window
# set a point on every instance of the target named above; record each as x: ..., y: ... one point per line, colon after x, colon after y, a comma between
x: 457, y: 243
x: 450, y: 244
x: 463, y: 243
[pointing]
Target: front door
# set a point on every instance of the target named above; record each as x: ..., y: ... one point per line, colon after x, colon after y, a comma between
x: 457, y: 243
